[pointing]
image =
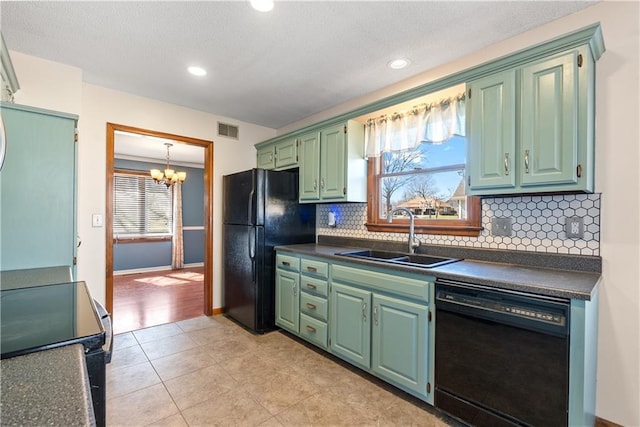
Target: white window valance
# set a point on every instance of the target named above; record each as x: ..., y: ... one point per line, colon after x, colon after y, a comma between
x: 431, y: 123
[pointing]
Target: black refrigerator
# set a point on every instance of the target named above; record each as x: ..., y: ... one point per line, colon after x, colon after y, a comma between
x: 261, y: 210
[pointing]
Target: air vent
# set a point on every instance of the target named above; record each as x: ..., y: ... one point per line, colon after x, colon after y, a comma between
x: 230, y: 131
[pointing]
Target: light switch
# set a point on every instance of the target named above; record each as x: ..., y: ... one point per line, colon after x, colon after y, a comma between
x: 96, y: 220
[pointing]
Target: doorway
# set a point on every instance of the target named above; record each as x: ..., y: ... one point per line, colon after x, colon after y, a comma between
x: 112, y: 131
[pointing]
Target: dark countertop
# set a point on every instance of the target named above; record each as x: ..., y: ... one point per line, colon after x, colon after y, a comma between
x: 48, y: 387
x: 564, y: 283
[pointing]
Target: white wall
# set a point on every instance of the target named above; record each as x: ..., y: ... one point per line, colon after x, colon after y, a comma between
x: 618, y: 178
x: 96, y: 106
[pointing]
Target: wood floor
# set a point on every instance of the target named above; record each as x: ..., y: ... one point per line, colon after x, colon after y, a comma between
x: 149, y: 299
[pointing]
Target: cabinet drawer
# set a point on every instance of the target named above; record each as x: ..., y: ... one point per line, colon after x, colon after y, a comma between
x: 316, y: 268
x: 288, y: 262
x: 314, y: 306
x: 313, y: 330
x: 314, y: 286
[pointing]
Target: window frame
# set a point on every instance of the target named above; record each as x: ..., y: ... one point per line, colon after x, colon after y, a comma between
x: 138, y: 238
x: 472, y: 226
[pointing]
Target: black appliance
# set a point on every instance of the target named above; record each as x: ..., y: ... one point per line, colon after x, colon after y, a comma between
x: 261, y: 210
x: 501, y: 357
x: 42, y: 317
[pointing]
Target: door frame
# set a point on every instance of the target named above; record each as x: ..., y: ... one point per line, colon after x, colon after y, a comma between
x: 208, y: 207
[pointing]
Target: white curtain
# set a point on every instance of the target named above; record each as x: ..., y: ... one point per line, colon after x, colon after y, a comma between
x: 434, y: 123
x: 177, y: 252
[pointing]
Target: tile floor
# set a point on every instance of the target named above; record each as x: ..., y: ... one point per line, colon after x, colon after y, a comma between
x: 210, y: 371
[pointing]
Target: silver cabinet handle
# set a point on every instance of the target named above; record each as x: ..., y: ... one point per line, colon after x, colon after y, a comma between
x: 364, y: 312
x: 526, y: 161
x: 311, y: 329
x: 506, y: 163
x: 311, y: 306
x: 312, y: 269
x: 295, y: 290
x: 375, y: 314
x: 270, y: 157
x: 286, y: 263
x: 322, y: 183
x: 310, y: 286
x: 315, y: 184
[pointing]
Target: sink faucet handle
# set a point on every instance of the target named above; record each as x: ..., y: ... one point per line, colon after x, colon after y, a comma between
x: 415, y: 243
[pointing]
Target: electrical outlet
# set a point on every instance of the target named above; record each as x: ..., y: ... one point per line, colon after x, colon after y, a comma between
x: 574, y: 227
x: 501, y: 227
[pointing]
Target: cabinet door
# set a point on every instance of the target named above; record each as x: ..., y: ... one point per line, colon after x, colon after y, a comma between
x: 549, y: 121
x: 400, y: 336
x: 266, y: 158
x: 37, y: 190
x: 286, y: 153
x: 351, y: 324
x: 310, y: 167
x: 287, y: 302
x: 332, y: 163
x: 492, y: 132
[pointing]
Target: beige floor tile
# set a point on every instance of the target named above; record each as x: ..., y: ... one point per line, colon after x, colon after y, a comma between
x: 157, y: 332
x: 235, y: 408
x: 124, y: 340
x: 271, y: 422
x: 142, y: 407
x: 176, y: 420
x: 166, y: 346
x: 125, y: 380
x: 182, y: 363
x: 232, y: 346
x: 210, y: 335
x: 127, y: 356
x: 403, y: 413
x: 249, y: 368
x: 198, y: 323
x: 280, y: 391
x: 323, y: 409
x: 196, y: 387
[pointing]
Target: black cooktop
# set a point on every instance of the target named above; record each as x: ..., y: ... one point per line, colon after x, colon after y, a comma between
x: 43, y: 317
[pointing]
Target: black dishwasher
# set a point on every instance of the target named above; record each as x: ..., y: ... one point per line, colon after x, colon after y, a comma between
x: 502, y: 357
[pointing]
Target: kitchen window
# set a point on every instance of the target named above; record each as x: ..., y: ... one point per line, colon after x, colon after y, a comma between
x: 142, y: 208
x: 417, y: 161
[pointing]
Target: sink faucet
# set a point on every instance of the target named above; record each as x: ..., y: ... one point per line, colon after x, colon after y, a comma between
x: 413, y: 242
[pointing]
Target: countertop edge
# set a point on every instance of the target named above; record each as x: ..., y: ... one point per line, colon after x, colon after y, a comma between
x: 487, y: 273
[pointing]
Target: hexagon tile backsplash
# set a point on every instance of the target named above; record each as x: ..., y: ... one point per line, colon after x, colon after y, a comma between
x: 538, y: 224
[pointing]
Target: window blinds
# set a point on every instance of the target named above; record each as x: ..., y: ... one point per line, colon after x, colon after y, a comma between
x: 141, y: 207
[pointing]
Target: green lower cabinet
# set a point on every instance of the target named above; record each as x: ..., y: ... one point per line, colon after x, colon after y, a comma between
x: 351, y: 324
x: 287, y: 301
x: 400, y: 339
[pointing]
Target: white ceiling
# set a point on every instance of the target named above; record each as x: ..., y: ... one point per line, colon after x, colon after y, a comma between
x: 270, y: 69
x: 144, y: 148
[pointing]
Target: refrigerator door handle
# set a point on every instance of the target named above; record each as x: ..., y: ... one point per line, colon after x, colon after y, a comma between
x: 252, y: 252
x: 250, y: 207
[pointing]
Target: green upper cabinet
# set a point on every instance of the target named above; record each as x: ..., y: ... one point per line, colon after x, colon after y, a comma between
x: 332, y: 166
x: 279, y: 155
x: 531, y: 127
x: 310, y: 167
x: 492, y: 135
x: 38, y: 189
x: 267, y: 157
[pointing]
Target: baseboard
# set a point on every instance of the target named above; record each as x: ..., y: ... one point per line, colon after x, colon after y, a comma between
x: 219, y: 311
x: 605, y: 423
x: 152, y: 269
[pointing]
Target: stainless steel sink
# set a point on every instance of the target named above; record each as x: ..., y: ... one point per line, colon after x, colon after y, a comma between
x: 399, y: 258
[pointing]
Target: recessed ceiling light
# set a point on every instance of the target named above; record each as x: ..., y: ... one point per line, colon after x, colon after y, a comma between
x: 398, y: 64
x: 197, y: 71
x: 262, y: 5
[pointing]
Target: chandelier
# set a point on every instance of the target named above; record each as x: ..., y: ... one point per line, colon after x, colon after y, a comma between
x: 169, y: 176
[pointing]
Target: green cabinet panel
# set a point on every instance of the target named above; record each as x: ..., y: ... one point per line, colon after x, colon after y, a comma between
x: 287, y: 301
x: 332, y: 164
x: 38, y: 189
x: 549, y: 126
x: 310, y: 167
x: 492, y: 136
x: 531, y: 127
x: 286, y: 154
x: 350, y: 324
x: 266, y: 158
x: 400, y: 339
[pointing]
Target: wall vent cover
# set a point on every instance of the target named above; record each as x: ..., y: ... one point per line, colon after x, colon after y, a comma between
x: 230, y: 131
